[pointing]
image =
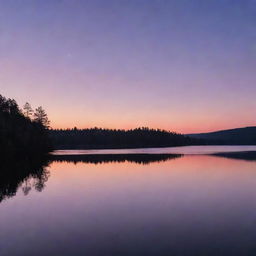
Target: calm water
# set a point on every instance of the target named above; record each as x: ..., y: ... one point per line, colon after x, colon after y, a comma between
x: 131, y: 205
x: 173, y: 150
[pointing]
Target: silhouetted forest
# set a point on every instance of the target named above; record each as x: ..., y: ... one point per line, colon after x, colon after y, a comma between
x: 96, y: 138
x: 22, y: 131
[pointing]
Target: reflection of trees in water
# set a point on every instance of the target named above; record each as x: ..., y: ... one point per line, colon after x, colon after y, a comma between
x: 142, y: 158
x: 24, y: 173
x: 31, y: 173
x: 246, y: 155
x: 108, y: 158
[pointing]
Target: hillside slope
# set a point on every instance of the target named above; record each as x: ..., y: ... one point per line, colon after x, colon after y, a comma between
x: 238, y: 136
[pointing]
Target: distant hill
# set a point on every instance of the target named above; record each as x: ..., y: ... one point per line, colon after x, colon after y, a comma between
x: 238, y: 136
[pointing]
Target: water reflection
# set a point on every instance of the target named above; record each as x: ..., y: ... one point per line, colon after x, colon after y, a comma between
x: 108, y: 158
x: 26, y: 173
x: 191, y: 205
x: 247, y: 155
x: 32, y: 173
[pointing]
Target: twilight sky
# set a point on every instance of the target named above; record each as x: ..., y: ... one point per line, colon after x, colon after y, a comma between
x: 183, y: 65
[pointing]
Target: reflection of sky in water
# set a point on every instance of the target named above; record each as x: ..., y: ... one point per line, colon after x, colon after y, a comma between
x: 194, y: 205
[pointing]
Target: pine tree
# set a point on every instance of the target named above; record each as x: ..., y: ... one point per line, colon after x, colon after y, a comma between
x: 27, y: 110
x: 41, y: 117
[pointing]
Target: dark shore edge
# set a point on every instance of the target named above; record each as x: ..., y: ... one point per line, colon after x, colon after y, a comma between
x: 144, y: 157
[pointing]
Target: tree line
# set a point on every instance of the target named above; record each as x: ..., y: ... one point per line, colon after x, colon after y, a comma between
x: 22, y: 131
x: 94, y: 138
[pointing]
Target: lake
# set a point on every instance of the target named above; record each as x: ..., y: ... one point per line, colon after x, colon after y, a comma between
x: 168, y: 201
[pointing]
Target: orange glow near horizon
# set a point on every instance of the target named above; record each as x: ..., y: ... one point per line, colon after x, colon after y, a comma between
x: 131, y: 72
x: 180, y: 126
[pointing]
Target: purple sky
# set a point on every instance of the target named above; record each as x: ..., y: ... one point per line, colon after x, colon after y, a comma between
x: 180, y: 65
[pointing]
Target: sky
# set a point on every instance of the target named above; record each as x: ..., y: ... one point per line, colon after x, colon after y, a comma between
x: 181, y: 65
